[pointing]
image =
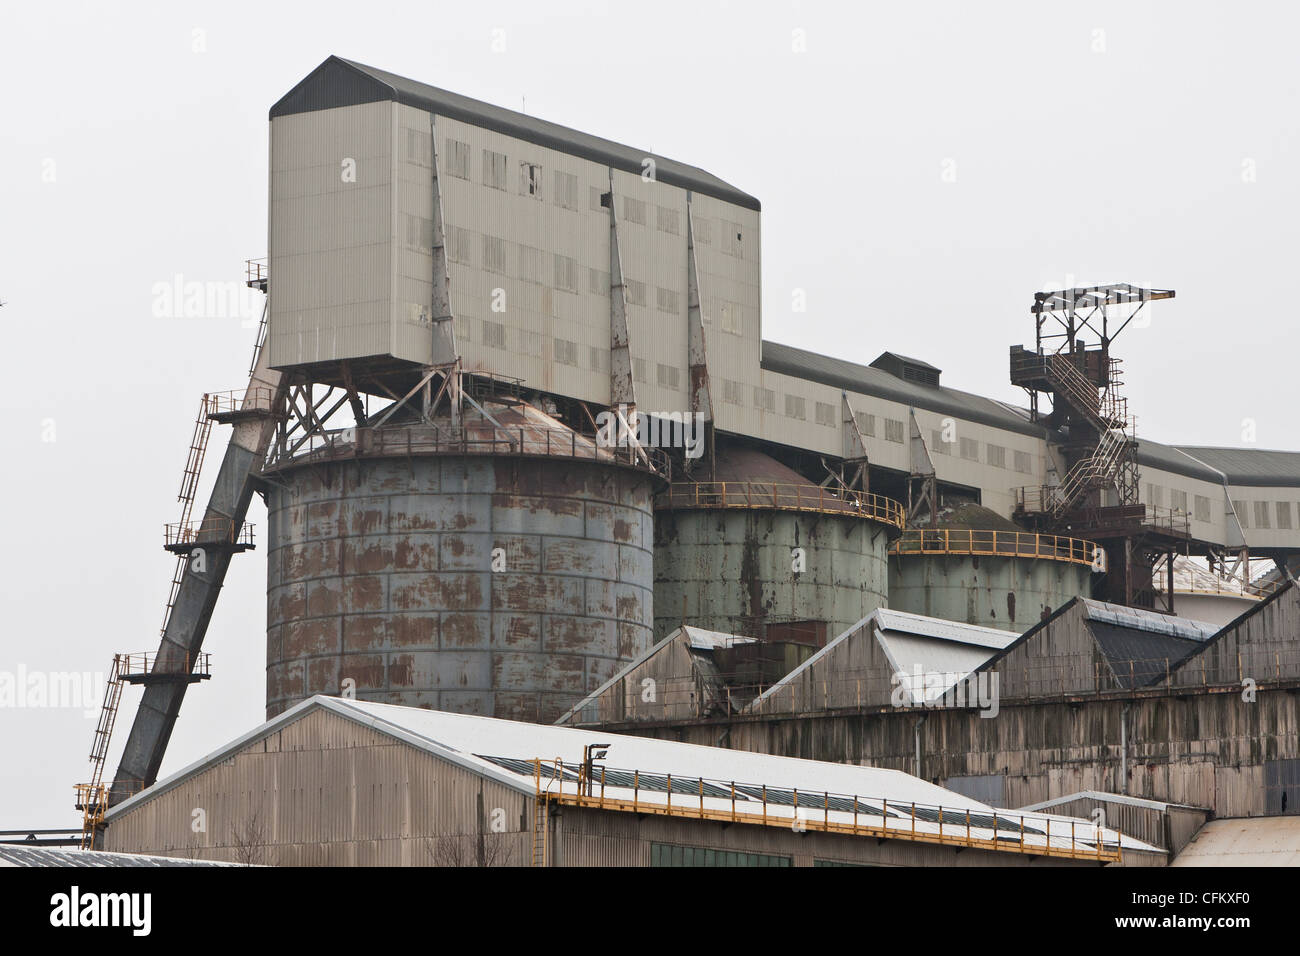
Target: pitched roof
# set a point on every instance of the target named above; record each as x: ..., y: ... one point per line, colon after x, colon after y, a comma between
x: 503, y: 750
x: 339, y: 82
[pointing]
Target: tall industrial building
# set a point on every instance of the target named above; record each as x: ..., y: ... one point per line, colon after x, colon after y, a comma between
x: 514, y: 418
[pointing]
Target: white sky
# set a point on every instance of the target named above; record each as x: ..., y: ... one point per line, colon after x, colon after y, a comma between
x: 1105, y: 143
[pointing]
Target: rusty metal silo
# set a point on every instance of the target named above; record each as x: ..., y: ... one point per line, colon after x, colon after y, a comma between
x: 502, y: 567
x: 765, y: 552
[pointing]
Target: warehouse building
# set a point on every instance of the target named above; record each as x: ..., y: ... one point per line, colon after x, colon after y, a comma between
x: 344, y: 782
x: 1095, y: 698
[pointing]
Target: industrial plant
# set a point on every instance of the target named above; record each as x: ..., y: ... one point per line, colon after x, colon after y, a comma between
x: 566, y: 565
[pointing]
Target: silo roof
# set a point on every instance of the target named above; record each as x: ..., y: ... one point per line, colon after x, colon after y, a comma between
x: 339, y: 82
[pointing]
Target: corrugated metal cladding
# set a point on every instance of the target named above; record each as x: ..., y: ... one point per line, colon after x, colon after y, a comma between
x: 325, y: 790
x: 381, y: 571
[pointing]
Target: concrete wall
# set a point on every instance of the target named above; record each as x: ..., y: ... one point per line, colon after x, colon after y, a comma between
x: 1007, y: 593
x: 716, y: 569
x: 380, y: 571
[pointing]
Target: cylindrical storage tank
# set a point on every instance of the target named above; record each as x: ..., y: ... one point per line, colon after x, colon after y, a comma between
x: 447, y: 568
x: 1202, y: 595
x: 1005, y: 579
x: 764, y: 552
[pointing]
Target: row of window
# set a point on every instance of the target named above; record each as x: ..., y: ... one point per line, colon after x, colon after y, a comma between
x: 565, y: 190
x: 969, y: 449
x: 1266, y: 515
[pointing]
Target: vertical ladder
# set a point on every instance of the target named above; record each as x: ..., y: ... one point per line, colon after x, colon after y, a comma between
x: 93, y: 798
x: 539, y: 831
x: 189, y: 486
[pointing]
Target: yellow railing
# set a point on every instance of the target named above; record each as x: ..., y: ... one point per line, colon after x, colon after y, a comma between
x: 210, y: 530
x: 1003, y: 544
x: 729, y: 802
x: 781, y: 496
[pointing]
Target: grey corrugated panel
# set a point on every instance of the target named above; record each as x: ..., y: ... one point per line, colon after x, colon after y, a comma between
x: 800, y: 363
x: 339, y: 82
x: 1250, y: 466
x: 1139, y: 658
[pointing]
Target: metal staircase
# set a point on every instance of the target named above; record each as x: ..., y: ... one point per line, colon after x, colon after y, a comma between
x: 198, y: 579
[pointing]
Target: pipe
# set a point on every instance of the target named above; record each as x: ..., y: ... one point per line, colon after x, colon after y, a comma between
x: 916, y: 731
x: 1123, y: 750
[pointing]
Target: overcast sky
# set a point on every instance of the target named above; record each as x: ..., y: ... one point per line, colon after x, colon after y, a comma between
x: 924, y: 168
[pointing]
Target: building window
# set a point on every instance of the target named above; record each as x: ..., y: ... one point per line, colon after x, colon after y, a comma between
x: 530, y: 180
x: 1261, y: 515
x: 701, y: 231
x: 764, y: 399
x: 419, y: 147
x: 634, y: 210
x: 494, y: 169
x: 566, y: 273
x: 669, y: 376
x: 1202, y: 508
x: 598, y: 282
x: 635, y: 291
x: 733, y: 393
x: 666, y: 300
x: 794, y: 407
x: 639, y: 369
x: 937, y: 444
x: 530, y: 263
x: 732, y: 238
x: 1155, y: 495
x: 667, y: 220
x: 494, y: 254
x: 566, y: 352
x: 566, y: 190
x: 457, y: 159
x: 1284, y: 514
x: 866, y: 424
x: 1178, y: 500
x: 419, y: 233
x: 1243, y: 516
x: 825, y: 414
x: 893, y: 430
x: 668, y: 854
x: 729, y: 318
x: 969, y: 449
x: 494, y: 334
x: 599, y: 358
x: 460, y: 242
x: 1024, y: 462
x: 996, y: 455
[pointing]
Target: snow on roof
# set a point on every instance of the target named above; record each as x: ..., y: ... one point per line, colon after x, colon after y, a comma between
x: 1148, y: 621
x: 702, y: 640
x: 15, y: 854
x: 922, y: 648
x: 503, y: 750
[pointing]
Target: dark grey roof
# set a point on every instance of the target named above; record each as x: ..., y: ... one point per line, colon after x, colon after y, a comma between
x: 340, y: 82
x: 1243, y: 466
x: 1137, y: 657
x: 903, y: 358
x: 1250, y: 466
x: 799, y: 363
